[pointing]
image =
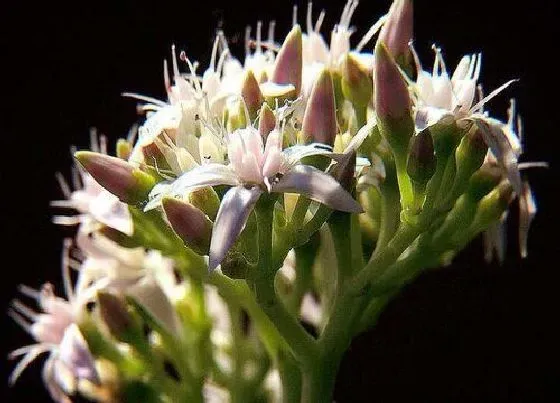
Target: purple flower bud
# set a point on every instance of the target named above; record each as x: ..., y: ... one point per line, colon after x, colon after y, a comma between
x: 119, y: 177
x: 357, y: 84
x: 267, y: 121
x: 392, y: 99
x: 288, y: 66
x: 396, y: 34
x: 189, y: 223
x: 251, y: 94
x: 319, y: 120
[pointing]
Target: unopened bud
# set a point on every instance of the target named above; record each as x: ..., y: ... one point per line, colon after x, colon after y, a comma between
x: 319, y: 120
x: 392, y: 101
x: 421, y: 163
x: 398, y: 29
x: 288, y: 66
x: 469, y: 157
x: 205, y: 199
x: 189, y: 223
x: 115, y: 314
x: 483, y: 181
x: 235, y: 115
x: 128, y: 183
x: 357, y: 84
x: 267, y: 121
x: 251, y: 94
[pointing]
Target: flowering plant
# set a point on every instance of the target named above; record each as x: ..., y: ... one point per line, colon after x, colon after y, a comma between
x: 265, y: 214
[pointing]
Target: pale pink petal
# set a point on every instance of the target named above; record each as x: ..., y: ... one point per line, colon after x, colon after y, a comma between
x: 232, y: 216
x: 319, y: 186
x: 74, y: 353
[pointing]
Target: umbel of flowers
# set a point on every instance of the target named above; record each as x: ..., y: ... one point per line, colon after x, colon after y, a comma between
x: 304, y: 186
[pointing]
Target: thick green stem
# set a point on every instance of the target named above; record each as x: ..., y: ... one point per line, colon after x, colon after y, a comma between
x: 300, y: 342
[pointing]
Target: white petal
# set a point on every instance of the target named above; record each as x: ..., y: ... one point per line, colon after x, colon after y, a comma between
x: 295, y: 153
x: 201, y: 176
x: 151, y: 296
x: 232, y: 216
x: 319, y: 186
x: 74, y: 353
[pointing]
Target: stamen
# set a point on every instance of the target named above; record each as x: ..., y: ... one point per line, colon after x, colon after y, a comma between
x: 65, y: 263
x: 75, y: 174
x: 484, y: 100
x: 214, y: 54
x: 166, y: 81
x: 64, y: 186
x: 270, y: 40
x: 374, y: 29
x: 294, y: 15
x: 258, y: 45
x: 26, y: 360
x: 94, y: 144
x: 478, y: 67
x: 67, y: 221
x: 222, y: 60
x: 309, y: 16
x: 439, y: 64
x: 29, y: 292
x: 132, y: 133
x: 103, y: 144
x: 533, y: 164
x: 176, y: 73
x: 20, y: 320
x: 143, y: 98
x: 192, y: 69
x: 319, y: 21
x: 22, y: 309
x: 247, y: 40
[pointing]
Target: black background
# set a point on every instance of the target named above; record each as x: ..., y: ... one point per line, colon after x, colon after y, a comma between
x: 471, y: 332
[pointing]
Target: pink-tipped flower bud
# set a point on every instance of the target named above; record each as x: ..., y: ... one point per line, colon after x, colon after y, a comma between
x: 115, y: 314
x: 357, y: 84
x: 267, y: 121
x: 397, y: 32
x: 251, y: 94
x: 288, y: 66
x: 392, y: 102
x: 189, y: 223
x: 392, y: 99
x: 319, y: 120
x: 122, y: 179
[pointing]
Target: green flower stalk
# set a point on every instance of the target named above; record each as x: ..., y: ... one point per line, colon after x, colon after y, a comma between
x: 265, y: 215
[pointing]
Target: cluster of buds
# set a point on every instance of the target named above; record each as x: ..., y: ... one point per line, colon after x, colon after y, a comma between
x: 307, y: 184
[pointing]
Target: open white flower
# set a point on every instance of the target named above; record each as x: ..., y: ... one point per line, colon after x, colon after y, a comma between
x: 56, y: 331
x: 255, y: 168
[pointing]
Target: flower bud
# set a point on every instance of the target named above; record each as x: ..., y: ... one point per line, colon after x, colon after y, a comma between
x: 235, y: 115
x: 251, y: 94
x: 189, y: 223
x: 421, y: 163
x: 288, y: 66
x: 119, y: 177
x: 397, y: 31
x: 205, y: 199
x: 392, y: 101
x: 319, y: 120
x: 469, y: 157
x: 492, y: 207
x: 267, y: 121
x: 357, y: 84
x: 483, y: 181
x: 115, y: 314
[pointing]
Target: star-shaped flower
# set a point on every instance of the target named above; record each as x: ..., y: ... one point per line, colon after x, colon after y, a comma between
x: 254, y: 168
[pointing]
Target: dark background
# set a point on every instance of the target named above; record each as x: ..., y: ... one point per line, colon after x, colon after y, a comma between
x: 471, y: 332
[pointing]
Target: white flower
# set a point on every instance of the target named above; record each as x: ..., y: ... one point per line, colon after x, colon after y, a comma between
x: 56, y: 332
x: 255, y: 168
